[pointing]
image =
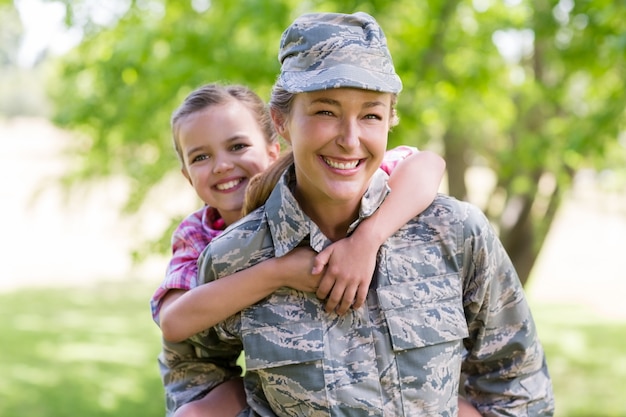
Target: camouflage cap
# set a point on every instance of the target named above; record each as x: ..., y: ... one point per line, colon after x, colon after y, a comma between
x: 320, y: 51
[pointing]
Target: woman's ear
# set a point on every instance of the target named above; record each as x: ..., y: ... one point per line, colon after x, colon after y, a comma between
x: 279, y: 124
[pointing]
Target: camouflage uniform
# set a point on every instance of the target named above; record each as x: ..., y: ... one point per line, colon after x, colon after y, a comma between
x: 444, y: 299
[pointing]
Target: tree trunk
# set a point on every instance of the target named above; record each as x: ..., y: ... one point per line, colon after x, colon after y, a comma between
x: 456, y: 164
x: 519, y: 240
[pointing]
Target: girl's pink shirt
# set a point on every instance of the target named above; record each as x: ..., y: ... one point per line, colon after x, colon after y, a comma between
x: 199, y: 228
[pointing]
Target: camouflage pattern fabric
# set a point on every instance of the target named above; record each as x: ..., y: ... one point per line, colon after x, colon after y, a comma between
x: 320, y: 51
x: 445, y: 299
x: 188, y: 370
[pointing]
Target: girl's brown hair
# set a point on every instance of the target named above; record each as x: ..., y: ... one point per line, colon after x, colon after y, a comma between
x: 215, y: 94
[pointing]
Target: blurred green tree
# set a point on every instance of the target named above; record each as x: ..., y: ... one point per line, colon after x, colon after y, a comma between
x: 527, y: 91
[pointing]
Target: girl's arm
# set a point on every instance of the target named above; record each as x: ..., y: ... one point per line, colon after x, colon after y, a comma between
x: 185, y: 313
x: 350, y: 262
x: 414, y: 182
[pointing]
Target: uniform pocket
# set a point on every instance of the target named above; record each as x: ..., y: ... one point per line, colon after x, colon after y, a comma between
x: 281, y: 344
x: 424, y: 312
x: 285, y: 360
x: 426, y: 326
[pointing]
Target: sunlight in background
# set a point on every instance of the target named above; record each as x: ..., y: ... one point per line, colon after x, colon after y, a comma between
x: 44, y: 29
x: 44, y: 25
x: 81, y: 238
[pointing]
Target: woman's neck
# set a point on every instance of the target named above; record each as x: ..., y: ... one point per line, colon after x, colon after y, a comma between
x: 333, y: 219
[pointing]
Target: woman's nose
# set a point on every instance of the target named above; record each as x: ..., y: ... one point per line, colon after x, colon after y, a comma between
x: 349, y: 135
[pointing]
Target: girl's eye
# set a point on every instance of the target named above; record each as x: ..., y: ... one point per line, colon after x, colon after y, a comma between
x: 325, y: 112
x: 373, y: 117
x: 198, y: 158
x: 238, y: 147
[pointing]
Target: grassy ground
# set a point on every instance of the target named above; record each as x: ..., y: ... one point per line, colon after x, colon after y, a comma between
x: 587, y: 360
x: 79, y: 352
x: 91, y: 352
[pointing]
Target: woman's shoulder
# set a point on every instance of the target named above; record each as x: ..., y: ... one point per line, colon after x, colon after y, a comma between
x: 240, y: 233
x: 453, y: 210
x: 243, y: 244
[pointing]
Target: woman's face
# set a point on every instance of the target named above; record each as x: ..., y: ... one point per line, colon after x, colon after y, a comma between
x: 338, y: 138
x: 223, y: 146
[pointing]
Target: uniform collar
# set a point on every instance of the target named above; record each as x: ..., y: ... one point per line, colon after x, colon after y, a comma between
x: 290, y: 226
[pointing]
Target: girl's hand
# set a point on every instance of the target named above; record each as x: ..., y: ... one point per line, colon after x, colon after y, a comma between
x: 348, y: 266
x: 295, y: 270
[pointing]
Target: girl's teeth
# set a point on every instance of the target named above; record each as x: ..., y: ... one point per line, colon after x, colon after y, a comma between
x: 227, y: 185
x: 341, y: 165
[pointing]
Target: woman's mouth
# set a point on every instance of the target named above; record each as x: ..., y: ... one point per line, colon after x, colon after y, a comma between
x: 343, y: 165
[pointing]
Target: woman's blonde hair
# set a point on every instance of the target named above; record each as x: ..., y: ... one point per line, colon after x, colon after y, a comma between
x: 261, y: 185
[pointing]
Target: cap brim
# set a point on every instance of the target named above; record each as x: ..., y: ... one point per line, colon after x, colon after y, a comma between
x: 339, y: 76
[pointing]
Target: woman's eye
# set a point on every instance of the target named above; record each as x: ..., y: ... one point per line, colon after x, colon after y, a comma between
x: 373, y: 117
x: 325, y: 112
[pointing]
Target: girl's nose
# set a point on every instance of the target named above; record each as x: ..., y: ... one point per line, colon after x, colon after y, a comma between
x: 222, y: 164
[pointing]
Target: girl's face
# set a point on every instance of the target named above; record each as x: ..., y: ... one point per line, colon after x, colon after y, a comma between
x: 338, y: 138
x: 223, y: 146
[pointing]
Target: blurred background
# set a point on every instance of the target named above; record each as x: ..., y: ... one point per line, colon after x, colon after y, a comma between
x: 524, y: 99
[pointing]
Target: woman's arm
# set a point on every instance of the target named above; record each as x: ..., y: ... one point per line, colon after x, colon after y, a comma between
x: 351, y: 261
x: 185, y: 313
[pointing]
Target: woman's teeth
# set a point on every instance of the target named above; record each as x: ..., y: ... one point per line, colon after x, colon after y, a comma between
x: 341, y: 165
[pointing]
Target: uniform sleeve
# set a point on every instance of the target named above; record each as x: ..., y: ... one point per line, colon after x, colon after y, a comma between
x: 192, y: 368
x: 394, y: 156
x: 505, y: 367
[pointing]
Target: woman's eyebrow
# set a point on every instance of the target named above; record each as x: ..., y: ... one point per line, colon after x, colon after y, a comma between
x: 330, y: 101
x: 325, y: 100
